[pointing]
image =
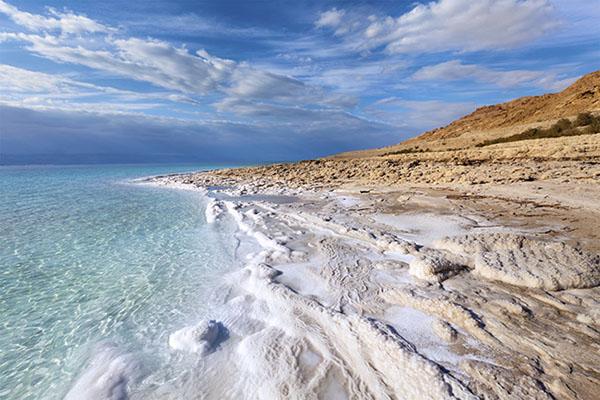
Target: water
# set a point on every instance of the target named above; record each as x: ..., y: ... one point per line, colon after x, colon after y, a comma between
x: 89, y: 261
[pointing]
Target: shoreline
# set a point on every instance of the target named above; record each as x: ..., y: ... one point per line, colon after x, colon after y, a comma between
x: 360, y: 291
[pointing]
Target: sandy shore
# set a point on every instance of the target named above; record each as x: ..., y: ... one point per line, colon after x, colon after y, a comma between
x: 411, y: 290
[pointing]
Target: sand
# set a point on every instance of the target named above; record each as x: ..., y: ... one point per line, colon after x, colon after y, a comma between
x: 408, y: 290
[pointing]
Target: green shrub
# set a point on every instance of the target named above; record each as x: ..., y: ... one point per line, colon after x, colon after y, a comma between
x: 588, y: 130
x: 563, y: 124
x: 554, y: 130
x: 562, y: 127
x: 584, y: 119
x: 530, y: 133
x: 595, y: 124
x: 404, y: 151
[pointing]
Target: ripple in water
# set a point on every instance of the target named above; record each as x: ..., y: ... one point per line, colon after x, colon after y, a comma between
x: 95, y: 271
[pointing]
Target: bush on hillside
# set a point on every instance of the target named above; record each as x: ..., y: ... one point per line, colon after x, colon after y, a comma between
x: 584, y: 119
x: 584, y: 124
x: 562, y: 125
x: 596, y: 125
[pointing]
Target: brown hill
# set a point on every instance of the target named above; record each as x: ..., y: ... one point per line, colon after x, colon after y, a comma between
x: 496, y: 121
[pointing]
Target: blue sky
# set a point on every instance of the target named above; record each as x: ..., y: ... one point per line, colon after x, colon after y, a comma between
x: 269, y: 80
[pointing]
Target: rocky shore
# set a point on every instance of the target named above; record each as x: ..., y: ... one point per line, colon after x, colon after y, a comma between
x: 460, y: 264
x: 433, y: 279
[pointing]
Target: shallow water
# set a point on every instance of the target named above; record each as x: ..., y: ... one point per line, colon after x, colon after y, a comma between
x: 91, y: 264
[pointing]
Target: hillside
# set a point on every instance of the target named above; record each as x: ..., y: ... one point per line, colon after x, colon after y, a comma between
x: 501, y: 120
x: 553, y: 137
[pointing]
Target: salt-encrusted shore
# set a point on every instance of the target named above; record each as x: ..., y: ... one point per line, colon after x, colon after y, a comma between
x: 409, y: 291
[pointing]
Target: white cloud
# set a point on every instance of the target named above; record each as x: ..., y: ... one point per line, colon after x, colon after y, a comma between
x: 289, y: 114
x: 190, y: 24
x: 419, y: 115
x: 20, y: 80
x: 22, y: 86
x: 456, y: 70
x: 66, y: 23
x: 153, y: 61
x: 39, y: 90
x: 256, y: 84
x: 173, y: 68
x: 356, y: 78
x: 330, y: 19
x: 452, y: 25
x: 176, y: 69
x: 252, y: 84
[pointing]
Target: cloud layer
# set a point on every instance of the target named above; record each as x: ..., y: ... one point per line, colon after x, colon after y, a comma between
x: 444, y: 25
x: 455, y: 70
x: 149, y: 139
x: 304, y: 82
x: 65, y: 23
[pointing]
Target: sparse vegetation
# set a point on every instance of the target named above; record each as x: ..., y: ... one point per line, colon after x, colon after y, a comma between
x: 584, y: 124
x: 404, y: 151
x: 584, y: 119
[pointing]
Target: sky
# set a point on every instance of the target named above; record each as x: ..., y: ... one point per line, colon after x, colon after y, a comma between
x: 257, y: 80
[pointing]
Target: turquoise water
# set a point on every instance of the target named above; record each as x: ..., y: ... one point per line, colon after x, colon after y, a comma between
x: 89, y: 260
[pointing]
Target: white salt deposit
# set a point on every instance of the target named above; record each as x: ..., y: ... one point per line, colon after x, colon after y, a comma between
x: 107, y: 376
x: 197, y: 339
x: 419, y: 329
x: 332, y: 305
x: 434, y: 266
x: 213, y: 211
x: 424, y: 228
x: 250, y: 230
x: 522, y: 261
x: 348, y: 201
x: 400, y: 256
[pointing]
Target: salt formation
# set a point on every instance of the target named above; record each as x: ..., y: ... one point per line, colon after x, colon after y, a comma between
x: 250, y: 229
x: 434, y: 266
x: 213, y: 211
x: 444, y: 330
x: 304, y: 349
x: 107, y: 376
x: 521, y: 261
x: 307, y: 350
x: 198, y: 339
x: 311, y: 314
